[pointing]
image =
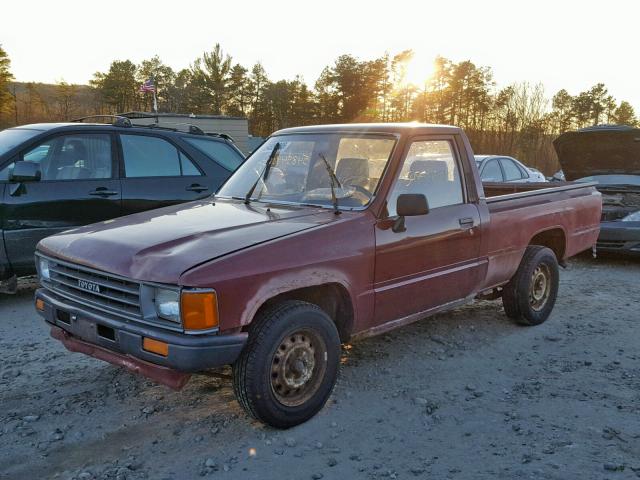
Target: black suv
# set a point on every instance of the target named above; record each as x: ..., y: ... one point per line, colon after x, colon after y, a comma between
x: 56, y: 176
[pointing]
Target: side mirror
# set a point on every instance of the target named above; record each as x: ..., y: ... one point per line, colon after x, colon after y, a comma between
x: 25, y: 172
x: 409, y: 205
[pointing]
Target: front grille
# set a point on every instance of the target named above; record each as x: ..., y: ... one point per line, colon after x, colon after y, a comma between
x: 102, y: 291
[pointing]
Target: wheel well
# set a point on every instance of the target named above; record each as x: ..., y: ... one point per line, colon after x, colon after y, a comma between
x: 553, y: 239
x: 333, y: 298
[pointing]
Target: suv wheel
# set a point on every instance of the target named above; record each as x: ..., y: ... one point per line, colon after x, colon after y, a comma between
x: 531, y: 293
x: 289, y: 366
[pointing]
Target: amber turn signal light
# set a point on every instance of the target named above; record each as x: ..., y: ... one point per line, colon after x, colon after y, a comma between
x: 155, y: 346
x: 39, y: 304
x: 199, y: 310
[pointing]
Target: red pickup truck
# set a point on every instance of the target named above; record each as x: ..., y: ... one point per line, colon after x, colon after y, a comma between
x: 324, y: 235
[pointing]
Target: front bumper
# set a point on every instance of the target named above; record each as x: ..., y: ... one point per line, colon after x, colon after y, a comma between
x: 186, y: 353
x: 620, y: 237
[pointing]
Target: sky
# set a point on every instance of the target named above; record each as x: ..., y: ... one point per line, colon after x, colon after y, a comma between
x: 563, y: 43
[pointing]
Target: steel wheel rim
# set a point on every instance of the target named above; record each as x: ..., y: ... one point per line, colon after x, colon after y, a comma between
x: 297, y: 367
x: 540, y: 287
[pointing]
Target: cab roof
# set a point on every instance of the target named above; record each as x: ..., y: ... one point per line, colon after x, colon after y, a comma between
x: 385, y: 128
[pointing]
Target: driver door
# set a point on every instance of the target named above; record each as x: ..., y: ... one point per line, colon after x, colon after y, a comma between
x: 435, y: 261
x: 78, y: 186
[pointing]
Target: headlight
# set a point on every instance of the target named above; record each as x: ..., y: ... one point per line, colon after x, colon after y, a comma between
x: 168, y: 304
x: 43, y: 268
x: 632, y: 217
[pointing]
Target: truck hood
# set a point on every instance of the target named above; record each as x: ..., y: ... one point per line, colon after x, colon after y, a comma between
x: 159, y: 245
x: 599, y: 151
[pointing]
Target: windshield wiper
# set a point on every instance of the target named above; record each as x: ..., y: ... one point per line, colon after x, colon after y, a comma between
x: 334, y: 180
x: 264, y: 173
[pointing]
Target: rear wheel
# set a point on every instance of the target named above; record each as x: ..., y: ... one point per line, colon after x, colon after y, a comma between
x: 530, y: 295
x: 289, y: 366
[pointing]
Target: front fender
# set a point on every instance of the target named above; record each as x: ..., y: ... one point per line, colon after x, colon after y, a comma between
x: 340, y: 253
x: 292, y: 281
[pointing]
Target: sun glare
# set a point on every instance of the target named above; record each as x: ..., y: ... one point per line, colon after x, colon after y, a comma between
x: 418, y: 69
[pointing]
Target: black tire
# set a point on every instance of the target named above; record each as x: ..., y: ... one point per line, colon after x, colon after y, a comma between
x: 529, y: 298
x: 263, y: 375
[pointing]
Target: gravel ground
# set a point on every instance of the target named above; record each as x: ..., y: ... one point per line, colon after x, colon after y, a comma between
x: 464, y: 395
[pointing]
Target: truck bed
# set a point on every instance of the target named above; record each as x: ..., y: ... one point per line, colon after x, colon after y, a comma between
x: 564, y: 215
x: 498, y: 191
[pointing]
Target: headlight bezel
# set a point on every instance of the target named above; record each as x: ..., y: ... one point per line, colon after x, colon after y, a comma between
x: 205, y: 307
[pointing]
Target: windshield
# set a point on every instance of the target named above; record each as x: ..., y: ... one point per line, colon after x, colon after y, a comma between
x: 612, y: 179
x: 298, y: 172
x: 14, y: 136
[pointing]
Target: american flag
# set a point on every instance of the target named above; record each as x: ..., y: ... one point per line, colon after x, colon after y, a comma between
x: 148, y: 86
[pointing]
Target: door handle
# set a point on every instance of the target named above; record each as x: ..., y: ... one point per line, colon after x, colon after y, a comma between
x: 466, y: 223
x: 196, y: 187
x: 103, y: 192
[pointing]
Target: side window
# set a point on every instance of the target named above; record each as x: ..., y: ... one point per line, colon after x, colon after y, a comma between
x: 511, y: 170
x: 430, y: 168
x: 217, y: 151
x: 39, y: 153
x: 491, y: 172
x: 523, y: 172
x: 188, y: 168
x: 154, y: 157
x: 73, y: 157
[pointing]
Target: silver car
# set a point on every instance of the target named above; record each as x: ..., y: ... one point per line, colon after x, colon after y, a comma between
x: 498, y: 168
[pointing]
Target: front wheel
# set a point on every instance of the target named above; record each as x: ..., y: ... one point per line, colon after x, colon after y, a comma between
x: 530, y: 295
x: 289, y: 366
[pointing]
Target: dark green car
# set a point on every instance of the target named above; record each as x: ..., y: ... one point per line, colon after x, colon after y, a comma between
x: 57, y: 176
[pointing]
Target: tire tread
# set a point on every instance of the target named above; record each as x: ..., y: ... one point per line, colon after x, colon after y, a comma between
x: 512, y: 292
x: 242, y: 373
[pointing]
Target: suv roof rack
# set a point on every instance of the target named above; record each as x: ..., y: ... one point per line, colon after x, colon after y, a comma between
x: 120, y: 121
x: 190, y: 128
x: 221, y: 135
x: 117, y: 120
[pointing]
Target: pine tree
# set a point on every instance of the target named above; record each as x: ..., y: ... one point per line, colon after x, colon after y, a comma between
x: 6, y: 99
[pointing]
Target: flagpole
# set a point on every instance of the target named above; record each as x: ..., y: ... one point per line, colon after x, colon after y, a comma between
x: 155, y: 99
